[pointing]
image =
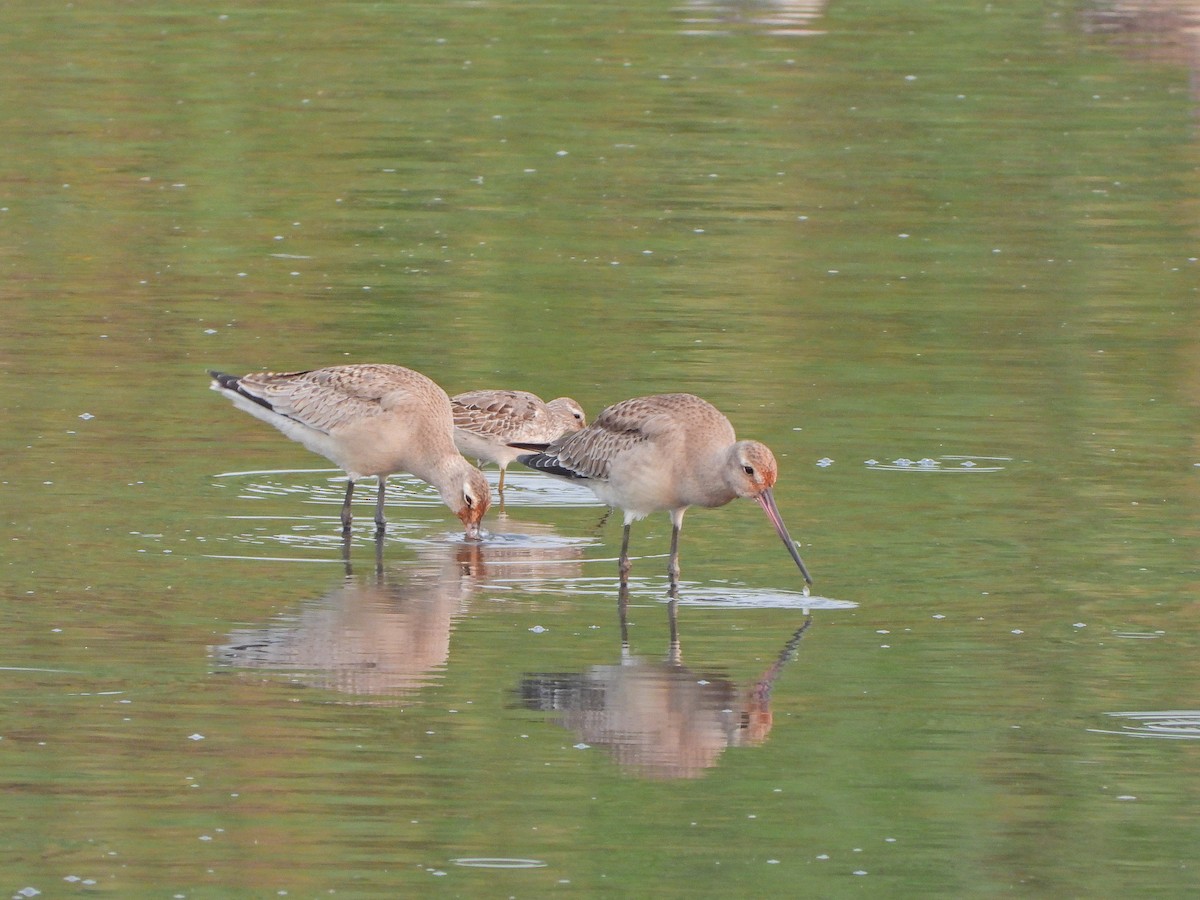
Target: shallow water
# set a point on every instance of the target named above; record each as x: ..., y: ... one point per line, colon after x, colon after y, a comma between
x: 897, y: 242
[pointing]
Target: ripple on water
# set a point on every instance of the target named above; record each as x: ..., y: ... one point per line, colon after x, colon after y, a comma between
x: 723, y: 596
x: 498, y: 862
x: 946, y: 464
x: 1171, y: 724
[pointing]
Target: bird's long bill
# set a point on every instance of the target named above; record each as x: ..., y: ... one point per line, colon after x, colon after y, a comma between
x: 767, y: 502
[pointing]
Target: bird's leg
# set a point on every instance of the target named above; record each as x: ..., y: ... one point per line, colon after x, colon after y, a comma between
x: 346, y: 515
x: 500, y: 486
x: 673, y: 560
x: 380, y: 521
x: 623, y: 566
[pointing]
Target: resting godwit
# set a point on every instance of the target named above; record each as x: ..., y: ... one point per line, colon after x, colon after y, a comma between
x: 665, y: 452
x: 370, y: 419
x: 487, y: 422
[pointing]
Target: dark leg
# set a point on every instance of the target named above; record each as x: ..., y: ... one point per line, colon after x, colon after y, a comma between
x: 346, y: 516
x: 500, y: 487
x: 380, y: 521
x: 623, y: 566
x: 673, y: 561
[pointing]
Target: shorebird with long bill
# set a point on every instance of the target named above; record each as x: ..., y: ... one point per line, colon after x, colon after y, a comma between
x: 371, y: 420
x: 487, y: 422
x: 664, y: 453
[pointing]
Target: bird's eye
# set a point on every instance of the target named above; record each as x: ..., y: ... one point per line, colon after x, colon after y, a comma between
x: 749, y: 470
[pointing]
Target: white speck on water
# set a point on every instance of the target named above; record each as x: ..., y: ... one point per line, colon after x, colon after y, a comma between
x: 1126, y: 797
x: 538, y: 629
x: 86, y: 416
x: 882, y: 631
x: 1080, y: 625
x: 210, y: 331
x: 890, y: 840
x: 206, y: 837
x: 824, y: 462
x: 938, y: 616
x: 871, y: 462
x: 195, y: 737
x: 822, y: 856
x: 772, y: 862
x: 860, y: 871
x: 582, y: 746
x: 28, y: 892
x: 1017, y: 631
x: 560, y: 153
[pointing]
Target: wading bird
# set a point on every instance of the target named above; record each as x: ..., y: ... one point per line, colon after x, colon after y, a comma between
x: 664, y: 452
x: 371, y: 420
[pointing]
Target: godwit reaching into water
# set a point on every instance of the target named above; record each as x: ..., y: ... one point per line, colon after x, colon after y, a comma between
x: 665, y: 452
x: 369, y: 419
x: 487, y: 422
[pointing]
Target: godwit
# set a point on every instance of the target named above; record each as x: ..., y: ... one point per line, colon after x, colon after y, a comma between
x: 487, y: 422
x: 665, y: 452
x: 369, y: 419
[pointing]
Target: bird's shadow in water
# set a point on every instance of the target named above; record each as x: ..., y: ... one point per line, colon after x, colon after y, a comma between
x: 658, y: 718
x: 382, y: 635
x: 376, y: 637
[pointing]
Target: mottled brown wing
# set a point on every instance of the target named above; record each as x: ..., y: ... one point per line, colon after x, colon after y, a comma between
x: 494, y: 414
x: 618, y: 428
x: 324, y: 399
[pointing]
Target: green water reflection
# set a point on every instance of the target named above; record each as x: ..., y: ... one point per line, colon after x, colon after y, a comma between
x: 867, y: 232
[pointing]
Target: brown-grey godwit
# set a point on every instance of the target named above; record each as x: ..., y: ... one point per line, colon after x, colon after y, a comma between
x: 487, y: 422
x: 371, y: 420
x: 665, y: 452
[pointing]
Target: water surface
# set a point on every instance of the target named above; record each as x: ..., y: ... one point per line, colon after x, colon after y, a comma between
x: 943, y: 260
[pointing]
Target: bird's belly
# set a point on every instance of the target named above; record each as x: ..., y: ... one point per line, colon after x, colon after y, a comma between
x: 637, y: 491
x: 472, y: 446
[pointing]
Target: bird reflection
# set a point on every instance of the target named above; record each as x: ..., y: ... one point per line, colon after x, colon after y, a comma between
x: 385, y: 635
x: 657, y: 718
